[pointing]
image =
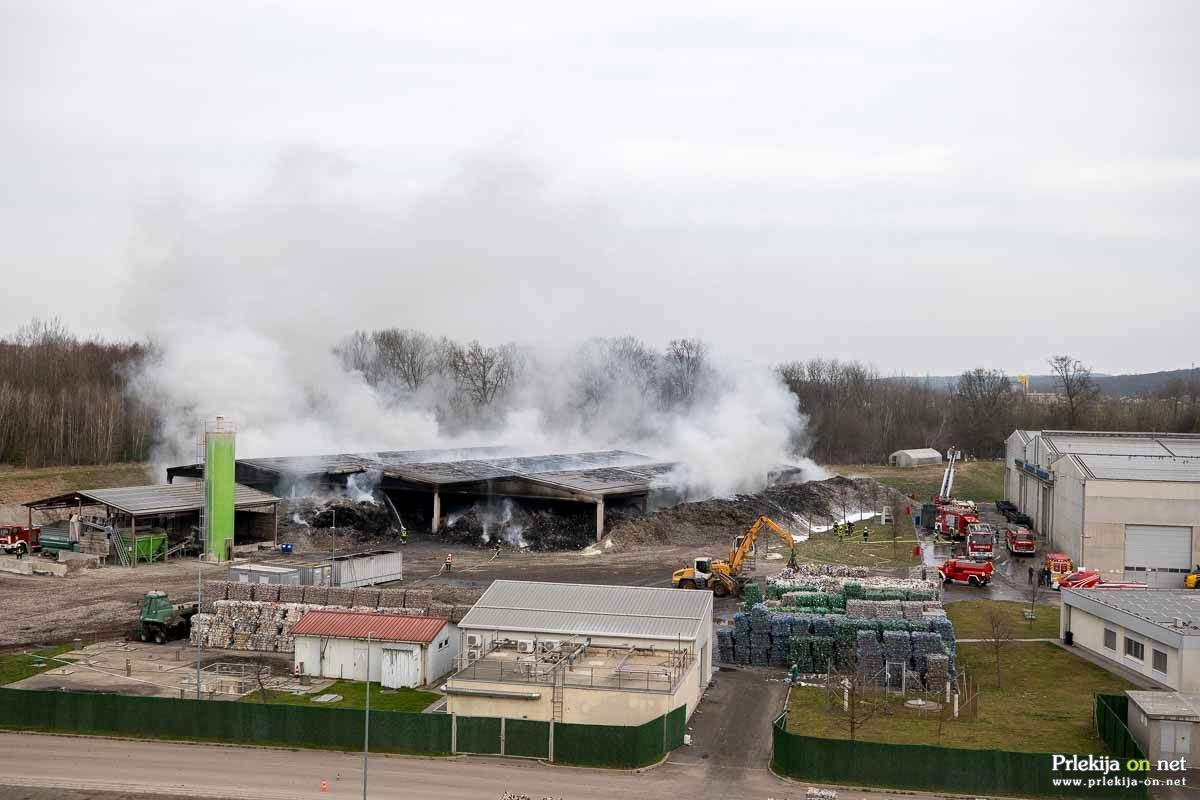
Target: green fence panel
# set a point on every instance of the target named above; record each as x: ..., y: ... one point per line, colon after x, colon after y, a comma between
x: 676, y: 727
x: 334, y: 728
x: 593, y: 745
x: 930, y: 768
x: 527, y: 737
x: 478, y: 735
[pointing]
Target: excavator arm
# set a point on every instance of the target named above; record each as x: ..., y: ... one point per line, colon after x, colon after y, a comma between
x: 738, y: 555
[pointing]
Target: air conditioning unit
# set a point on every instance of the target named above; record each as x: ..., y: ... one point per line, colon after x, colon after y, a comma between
x: 474, y: 640
x: 525, y: 645
x: 550, y: 645
x: 474, y: 654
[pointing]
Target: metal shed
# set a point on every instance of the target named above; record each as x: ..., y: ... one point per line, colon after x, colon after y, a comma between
x: 915, y: 458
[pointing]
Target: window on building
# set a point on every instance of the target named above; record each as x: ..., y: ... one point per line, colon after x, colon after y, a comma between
x: 1160, y: 661
x: 1135, y: 649
x: 1110, y: 639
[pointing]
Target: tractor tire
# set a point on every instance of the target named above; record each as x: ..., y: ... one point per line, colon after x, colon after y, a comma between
x: 720, y: 590
x: 143, y: 634
x: 687, y: 584
x: 160, y: 636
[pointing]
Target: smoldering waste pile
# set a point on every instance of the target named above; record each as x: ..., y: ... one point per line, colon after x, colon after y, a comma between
x: 260, y: 617
x: 823, y: 632
x: 364, y: 517
x: 515, y: 526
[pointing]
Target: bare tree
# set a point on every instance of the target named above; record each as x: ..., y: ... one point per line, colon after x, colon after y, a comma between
x: 1076, y: 385
x: 686, y: 361
x: 982, y: 410
x: 1000, y: 633
x: 483, y: 373
x: 854, y: 699
x: 407, y: 357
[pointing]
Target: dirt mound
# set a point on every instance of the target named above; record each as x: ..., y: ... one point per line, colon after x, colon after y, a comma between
x: 814, y: 502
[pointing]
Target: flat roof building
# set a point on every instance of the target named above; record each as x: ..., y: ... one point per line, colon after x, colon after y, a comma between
x: 1153, y: 632
x: 613, y: 655
x: 1124, y: 504
x: 1165, y: 725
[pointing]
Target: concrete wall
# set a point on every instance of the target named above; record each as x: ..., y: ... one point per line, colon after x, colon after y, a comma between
x: 1111, y: 505
x: 1067, y: 516
x: 580, y: 705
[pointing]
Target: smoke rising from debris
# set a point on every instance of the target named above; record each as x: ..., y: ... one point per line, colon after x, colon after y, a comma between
x: 254, y: 308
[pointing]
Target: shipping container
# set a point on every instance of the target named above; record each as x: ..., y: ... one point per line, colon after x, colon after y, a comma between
x: 369, y: 568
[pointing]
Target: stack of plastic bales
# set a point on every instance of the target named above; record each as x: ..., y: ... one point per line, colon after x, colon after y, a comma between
x: 741, y: 638
x: 752, y: 595
x: 897, y: 647
x: 823, y: 649
x: 781, y: 638
x: 912, y: 609
x: 800, y: 654
x: 888, y: 609
x: 870, y: 654
x: 945, y: 628
x: 937, y: 671
x: 760, y: 635
x: 860, y: 609
x: 844, y: 636
x: 725, y: 645
x: 924, y: 645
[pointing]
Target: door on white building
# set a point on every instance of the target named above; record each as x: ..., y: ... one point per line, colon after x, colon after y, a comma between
x: 1175, y: 739
x: 400, y: 668
x: 1158, y: 555
x: 361, y: 664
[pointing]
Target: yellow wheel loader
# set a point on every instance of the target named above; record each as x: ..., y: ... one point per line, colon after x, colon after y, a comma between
x: 723, y: 577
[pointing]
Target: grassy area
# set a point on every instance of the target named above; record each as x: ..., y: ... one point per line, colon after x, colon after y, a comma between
x: 879, y: 553
x: 20, y: 485
x: 982, y: 481
x: 1043, y: 706
x: 354, y: 695
x: 970, y: 619
x: 19, y: 666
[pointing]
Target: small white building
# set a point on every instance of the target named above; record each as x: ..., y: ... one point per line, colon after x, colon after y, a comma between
x: 915, y: 458
x: 1153, y: 632
x: 1165, y: 724
x: 602, y: 655
x: 402, y: 651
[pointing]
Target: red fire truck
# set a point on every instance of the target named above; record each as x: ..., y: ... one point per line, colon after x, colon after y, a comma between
x: 961, y: 570
x: 18, y: 540
x: 1020, y: 542
x: 954, y: 518
x: 981, y: 541
x: 1090, y: 579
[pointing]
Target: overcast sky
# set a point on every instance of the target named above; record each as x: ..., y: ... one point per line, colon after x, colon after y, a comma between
x: 929, y: 188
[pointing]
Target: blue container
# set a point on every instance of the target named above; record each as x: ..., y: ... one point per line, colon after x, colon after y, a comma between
x: 285, y: 548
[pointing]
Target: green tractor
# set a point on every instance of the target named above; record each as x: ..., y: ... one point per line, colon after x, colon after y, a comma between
x: 161, y: 620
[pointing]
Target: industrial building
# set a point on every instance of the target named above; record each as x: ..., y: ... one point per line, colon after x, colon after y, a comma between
x: 611, y: 655
x: 1165, y: 724
x: 395, y: 651
x: 164, y: 517
x: 1124, y: 504
x: 424, y: 485
x: 1153, y: 632
x: 920, y: 457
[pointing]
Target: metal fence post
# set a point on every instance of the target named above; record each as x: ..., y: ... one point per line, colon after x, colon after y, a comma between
x: 550, y: 749
x: 502, y: 736
x: 453, y: 733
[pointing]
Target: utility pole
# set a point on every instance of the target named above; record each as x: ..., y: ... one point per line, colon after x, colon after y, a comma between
x: 367, y: 717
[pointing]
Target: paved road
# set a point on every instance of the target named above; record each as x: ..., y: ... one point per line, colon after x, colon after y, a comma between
x: 125, y: 767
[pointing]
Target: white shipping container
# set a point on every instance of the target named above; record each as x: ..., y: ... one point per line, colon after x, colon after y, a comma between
x: 367, y: 569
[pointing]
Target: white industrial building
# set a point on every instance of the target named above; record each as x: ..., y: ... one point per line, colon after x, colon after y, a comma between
x: 1125, y: 504
x: 915, y: 458
x: 606, y: 655
x: 395, y: 651
x: 1153, y: 632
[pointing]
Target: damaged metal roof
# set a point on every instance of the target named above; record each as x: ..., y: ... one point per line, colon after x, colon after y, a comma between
x: 163, y: 498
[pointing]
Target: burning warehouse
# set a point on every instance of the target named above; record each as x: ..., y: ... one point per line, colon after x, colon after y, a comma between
x: 430, y: 488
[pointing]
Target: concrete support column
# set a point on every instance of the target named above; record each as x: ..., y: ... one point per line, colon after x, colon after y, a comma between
x: 437, y: 511
x: 599, y: 519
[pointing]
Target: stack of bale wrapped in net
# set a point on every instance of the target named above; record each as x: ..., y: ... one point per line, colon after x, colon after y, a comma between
x: 752, y: 595
x: 725, y: 645
x: 741, y: 638
x: 260, y: 617
x: 760, y: 635
x: 870, y: 654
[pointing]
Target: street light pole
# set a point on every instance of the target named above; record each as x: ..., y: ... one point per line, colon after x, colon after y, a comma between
x: 367, y: 717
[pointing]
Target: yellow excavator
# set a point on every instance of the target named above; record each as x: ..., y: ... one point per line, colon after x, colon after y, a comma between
x: 724, y: 577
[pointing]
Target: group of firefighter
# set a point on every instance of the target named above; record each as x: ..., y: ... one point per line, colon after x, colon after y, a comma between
x: 845, y: 530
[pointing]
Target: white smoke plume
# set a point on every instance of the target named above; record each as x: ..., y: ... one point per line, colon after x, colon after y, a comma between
x: 246, y: 304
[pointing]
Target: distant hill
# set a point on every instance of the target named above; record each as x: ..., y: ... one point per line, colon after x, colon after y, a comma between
x: 1117, y: 385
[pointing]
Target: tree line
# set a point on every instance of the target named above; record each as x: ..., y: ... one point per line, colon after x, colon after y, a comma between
x: 67, y: 400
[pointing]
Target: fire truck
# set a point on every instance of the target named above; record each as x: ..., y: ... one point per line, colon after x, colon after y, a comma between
x: 1090, y: 579
x: 18, y: 540
x: 1060, y: 565
x: 1020, y: 542
x: 954, y: 518
x: 960, y: 570
x: 981, y: 541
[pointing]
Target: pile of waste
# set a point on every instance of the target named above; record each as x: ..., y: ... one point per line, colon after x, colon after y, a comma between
x: 366, y: 517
